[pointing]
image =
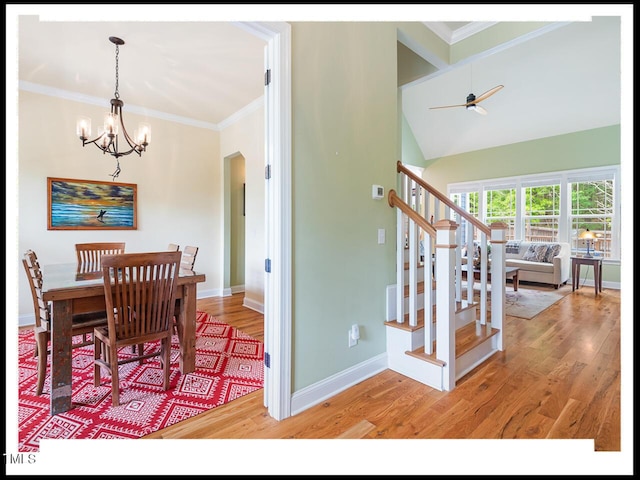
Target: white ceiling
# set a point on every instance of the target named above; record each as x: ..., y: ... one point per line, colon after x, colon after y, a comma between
x: 200, y: 71
x: 566, y: 80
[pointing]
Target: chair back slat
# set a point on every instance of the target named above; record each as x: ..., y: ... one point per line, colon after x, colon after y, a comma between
x: 173, y: 247
x: 188, y: 259
x: 89, y: 254
x: 140, y: 291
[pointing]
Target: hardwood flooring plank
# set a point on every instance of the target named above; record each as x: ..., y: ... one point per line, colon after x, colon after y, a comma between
x: 358, y: 431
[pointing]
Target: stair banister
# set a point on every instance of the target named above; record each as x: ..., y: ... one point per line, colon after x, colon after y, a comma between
x: 396, y: 201
x: 473, y: 222
x: 414, y: 220
x: 443, y: 198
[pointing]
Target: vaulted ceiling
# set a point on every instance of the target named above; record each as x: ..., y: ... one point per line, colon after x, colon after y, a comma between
x: 565, y: 79
x: 561, y: 79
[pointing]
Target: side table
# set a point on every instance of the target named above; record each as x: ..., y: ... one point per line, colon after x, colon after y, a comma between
x: 595, y: 262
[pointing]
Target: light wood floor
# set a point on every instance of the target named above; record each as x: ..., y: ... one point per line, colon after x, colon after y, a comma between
x: 558, y: 378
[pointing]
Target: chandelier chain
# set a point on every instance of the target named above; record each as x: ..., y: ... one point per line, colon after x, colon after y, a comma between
x: 117, y: 95
x: 115, y: 134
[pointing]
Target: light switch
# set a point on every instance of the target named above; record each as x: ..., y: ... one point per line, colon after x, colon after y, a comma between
x: 381, y: 236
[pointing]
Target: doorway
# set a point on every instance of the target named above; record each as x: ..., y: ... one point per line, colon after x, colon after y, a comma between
x: 234, y: 224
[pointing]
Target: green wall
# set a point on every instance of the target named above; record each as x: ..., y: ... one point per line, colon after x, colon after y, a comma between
x: 589, y: 148
x: 347, y: 134
x: 344, y: 128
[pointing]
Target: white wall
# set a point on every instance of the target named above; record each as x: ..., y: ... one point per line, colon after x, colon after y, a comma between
x: 246, y: 137
x: 179, y: 186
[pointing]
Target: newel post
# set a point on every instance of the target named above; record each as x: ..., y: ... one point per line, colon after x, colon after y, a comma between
x: 498, y: 279
x: 445, y: 300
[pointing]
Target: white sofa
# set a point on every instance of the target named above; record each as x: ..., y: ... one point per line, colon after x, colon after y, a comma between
x: 539, y: 261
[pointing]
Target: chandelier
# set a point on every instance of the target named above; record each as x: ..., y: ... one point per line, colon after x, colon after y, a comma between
x: 109, y: 140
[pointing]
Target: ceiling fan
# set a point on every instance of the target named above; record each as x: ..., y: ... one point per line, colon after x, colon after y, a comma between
x: 472, y: 101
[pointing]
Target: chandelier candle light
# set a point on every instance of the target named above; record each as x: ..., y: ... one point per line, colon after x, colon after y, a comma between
x: 107, y: 140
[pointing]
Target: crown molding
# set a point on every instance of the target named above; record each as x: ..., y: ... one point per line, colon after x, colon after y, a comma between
x: 454, y: 36
x: 100, y: 102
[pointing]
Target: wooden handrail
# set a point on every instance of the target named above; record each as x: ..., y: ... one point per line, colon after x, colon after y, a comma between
x: 463, y: 213
x: 396, y: 201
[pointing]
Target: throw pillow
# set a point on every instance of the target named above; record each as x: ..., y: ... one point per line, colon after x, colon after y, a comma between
x: 536, y: 252
x: 513, y: 246
x: 552, y: 250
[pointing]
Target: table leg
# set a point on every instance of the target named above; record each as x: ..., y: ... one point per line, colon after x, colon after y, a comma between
x: 61, y: 373
x: 600, y: 276
x: 596, y: 277
x: 188, y: 328
x: 516, y: 281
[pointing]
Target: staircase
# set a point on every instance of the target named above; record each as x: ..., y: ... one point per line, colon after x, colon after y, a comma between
x: 460, y: 333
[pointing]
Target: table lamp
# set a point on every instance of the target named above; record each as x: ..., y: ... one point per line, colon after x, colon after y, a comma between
x: 589, y: 236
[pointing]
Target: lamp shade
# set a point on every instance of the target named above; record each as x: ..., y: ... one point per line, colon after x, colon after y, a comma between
x: 587, y: 235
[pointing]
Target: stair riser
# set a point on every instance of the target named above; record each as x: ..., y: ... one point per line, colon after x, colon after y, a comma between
x: 470, y: 360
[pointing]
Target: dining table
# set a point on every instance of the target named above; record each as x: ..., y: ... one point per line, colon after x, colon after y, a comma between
x: 72, y: 290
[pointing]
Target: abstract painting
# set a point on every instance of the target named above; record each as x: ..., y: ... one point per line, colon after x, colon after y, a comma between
x: 91, y: 205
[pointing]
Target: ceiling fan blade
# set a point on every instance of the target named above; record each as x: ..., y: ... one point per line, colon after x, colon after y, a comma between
x: 488, y: 93
x: 473, y: 100
x: 449, y: 106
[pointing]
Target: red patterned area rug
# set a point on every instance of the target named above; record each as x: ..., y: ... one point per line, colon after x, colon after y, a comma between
x: 229, y: 365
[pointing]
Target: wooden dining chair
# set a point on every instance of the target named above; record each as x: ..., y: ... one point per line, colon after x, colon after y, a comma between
x: 89, y: 254
x: 173, y: 247
x: 83, y: 324
x: 188, y: 259
x: 187, y: 262
x: 140, y: 291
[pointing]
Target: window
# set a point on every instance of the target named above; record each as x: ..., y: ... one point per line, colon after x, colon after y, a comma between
x: 469, y: 202
x: 592, y: 208
x: 501, y: 207
x: 551, y: 207
x: 541, y: 213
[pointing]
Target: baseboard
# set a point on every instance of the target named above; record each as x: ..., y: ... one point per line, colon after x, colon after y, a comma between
x: 214, y: 292
x: 253, y: 305
x: 314, y: 394
x: 26, y: 320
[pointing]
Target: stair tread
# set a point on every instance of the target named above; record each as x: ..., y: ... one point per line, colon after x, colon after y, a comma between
x: 460, y: 306
x: 466, y: 340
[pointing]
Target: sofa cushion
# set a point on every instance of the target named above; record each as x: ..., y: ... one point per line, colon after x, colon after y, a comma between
x: 512, y: 247
x: 536, y: 252
x: 540, y: 267
x: 552, y: 250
